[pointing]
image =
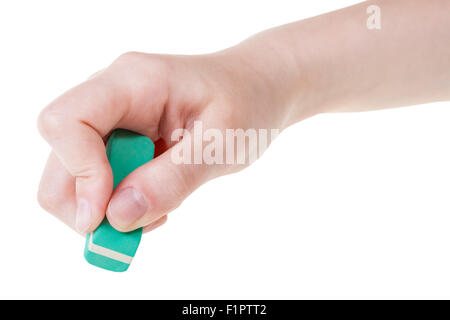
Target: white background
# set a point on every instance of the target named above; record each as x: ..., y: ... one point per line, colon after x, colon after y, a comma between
x: 341, y: 206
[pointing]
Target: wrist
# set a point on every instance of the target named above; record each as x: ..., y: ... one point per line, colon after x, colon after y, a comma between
x: 295, y: 77
x: 273, y: 72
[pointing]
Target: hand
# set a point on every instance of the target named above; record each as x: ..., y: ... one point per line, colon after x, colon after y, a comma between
x: 152, y: 95
x: 329, y: 63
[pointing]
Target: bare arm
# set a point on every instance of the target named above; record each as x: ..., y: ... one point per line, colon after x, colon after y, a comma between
x: 336, y: 62
x: 329, y: 63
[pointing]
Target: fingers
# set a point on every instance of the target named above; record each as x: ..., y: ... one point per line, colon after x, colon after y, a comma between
x: 130, y: 94
x: 153, y: 190
x: 133, y: 93
x: 57, y: 191
x: 79, y: 146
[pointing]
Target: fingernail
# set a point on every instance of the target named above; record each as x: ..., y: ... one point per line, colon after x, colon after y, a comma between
x: 127, y: 206
x: 83, y: 218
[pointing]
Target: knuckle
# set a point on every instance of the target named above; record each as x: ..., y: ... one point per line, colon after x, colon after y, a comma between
x: 86, y: 171
x: 46, y: 200
x: 181, y: 185
x: 51, y: 123
x: 151, y: 62
x: 129, y: 57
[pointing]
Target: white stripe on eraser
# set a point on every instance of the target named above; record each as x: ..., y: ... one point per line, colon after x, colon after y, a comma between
x: 108, y: 252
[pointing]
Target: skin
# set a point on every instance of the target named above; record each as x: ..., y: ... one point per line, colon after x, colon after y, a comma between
x: 329, y: 63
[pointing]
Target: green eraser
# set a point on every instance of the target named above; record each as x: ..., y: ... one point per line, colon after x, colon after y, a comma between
x: 106, y: 247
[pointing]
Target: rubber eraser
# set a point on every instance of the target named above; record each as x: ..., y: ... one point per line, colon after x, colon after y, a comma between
x: 107, y: 247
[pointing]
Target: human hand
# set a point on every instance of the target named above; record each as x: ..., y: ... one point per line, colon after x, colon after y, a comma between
x: 152, y: 95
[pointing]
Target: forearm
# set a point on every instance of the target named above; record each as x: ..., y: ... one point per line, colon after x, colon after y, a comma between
x: 334, y: 62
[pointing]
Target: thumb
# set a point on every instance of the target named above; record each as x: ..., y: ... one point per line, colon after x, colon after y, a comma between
x: 153, y: 190
x: 76, y: 123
